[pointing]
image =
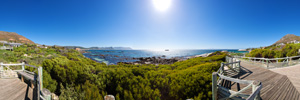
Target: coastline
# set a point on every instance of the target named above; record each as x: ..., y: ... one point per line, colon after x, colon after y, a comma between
x: 141, y: 60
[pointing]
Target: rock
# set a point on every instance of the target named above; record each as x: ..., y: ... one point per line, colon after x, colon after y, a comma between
x: 147, y: 62
x: 54, y: 96
x: 109, y: 97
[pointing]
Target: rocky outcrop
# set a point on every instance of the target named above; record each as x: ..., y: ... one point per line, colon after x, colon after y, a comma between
x: 154, y: 60
x: 288, y: 38
x: 14, y: 37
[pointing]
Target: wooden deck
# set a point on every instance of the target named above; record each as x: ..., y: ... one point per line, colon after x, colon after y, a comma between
x: 292, y: 72
x: 275, y: 86
x: 15, y: 89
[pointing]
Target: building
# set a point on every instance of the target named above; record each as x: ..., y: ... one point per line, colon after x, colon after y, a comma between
x: 9, y: 46
x: 14, y: 44
x: 3, y: 41
x: 41, y: 46
x: 294, y: 41
x: 280, y: 44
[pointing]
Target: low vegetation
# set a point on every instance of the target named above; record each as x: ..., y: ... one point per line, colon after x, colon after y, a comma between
x: 72, y: 76
x: 287, y: 50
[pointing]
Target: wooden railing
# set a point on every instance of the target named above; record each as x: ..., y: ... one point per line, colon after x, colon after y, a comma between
x: 233, y: 68
x: 270, y: 63
x: 31, y: 76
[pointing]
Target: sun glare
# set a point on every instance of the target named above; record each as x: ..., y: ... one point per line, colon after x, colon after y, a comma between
x: 161, y: 5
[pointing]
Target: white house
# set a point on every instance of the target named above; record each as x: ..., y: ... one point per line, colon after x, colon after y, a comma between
x: 294, y: 41
x: 15, y: 44
x: 280, y: 44
x: 3, y: 41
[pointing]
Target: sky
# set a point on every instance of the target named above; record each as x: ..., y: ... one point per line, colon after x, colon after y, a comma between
x: 140, y: 24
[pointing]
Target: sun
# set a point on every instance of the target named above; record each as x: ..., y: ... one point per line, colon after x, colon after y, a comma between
x: 162, y: 5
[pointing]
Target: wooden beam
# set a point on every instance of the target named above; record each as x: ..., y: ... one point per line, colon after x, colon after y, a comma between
x: 214, y: 86
x: 235, y: 80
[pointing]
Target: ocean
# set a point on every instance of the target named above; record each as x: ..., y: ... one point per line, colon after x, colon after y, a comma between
x: 115, y: 56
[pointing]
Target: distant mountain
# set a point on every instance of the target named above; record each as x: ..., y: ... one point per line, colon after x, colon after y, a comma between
x: 99, y: 48
x: 74, y: 47
x: 288, y: 38
x: 14, y: 37
x: 109, y: 48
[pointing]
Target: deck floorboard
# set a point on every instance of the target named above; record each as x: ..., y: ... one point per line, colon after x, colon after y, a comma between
x: 15, y: 89
x: 276, y: 86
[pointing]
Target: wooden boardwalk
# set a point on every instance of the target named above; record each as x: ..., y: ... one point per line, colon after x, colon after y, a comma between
x: 275, y: 86
x: 292, y: 72
x: 15, y: 89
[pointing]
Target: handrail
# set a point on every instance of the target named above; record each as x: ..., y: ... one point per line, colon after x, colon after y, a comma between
x: 232, y: 63
x: 272, y: 58
x: 272, y: 62
x: 38, y: 77
x: 235, y: 80
x: 255, y: 94
x: 221, y: 73
x: 30, y: 66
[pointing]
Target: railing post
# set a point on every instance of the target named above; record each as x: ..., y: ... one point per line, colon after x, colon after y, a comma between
x: 287, y: 59
x: 1, y: 68
x: 226, y: 59
x: 239, y: 66
x: 214, y: 86
x: 23, y: 66
x: 40, y: 74
x: 290, y: 59
x: 222, y: 69
x: 254, y: 87
x: 38, y: 88
x: 267, y: 63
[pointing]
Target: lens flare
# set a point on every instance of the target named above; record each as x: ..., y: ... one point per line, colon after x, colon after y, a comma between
x: 162, y: 5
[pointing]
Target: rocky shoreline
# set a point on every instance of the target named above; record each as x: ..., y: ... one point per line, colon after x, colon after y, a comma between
x: 153, y: 60
x: 162, y: 60
x: 143, y: 60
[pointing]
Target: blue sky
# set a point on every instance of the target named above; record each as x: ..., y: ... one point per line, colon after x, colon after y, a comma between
x: 187, y: 24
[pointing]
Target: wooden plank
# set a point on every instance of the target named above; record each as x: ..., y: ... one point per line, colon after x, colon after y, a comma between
x: 295, y: 95
x: 26, y: 75
x: 274, y: 88
x: 17, y: 92
x: 31, y: 66
x: 280, y: 90
x: 235, y: 80
x: 286, y: 92
x: 289, y: 94
x: 14, y: 90
x: 10, y: 91
x: 271, y: 82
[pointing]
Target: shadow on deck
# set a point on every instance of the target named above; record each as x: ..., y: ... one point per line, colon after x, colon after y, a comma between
x: 275, y: 86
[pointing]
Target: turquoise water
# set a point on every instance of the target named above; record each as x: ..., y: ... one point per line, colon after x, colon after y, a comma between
x: 115, y: 56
